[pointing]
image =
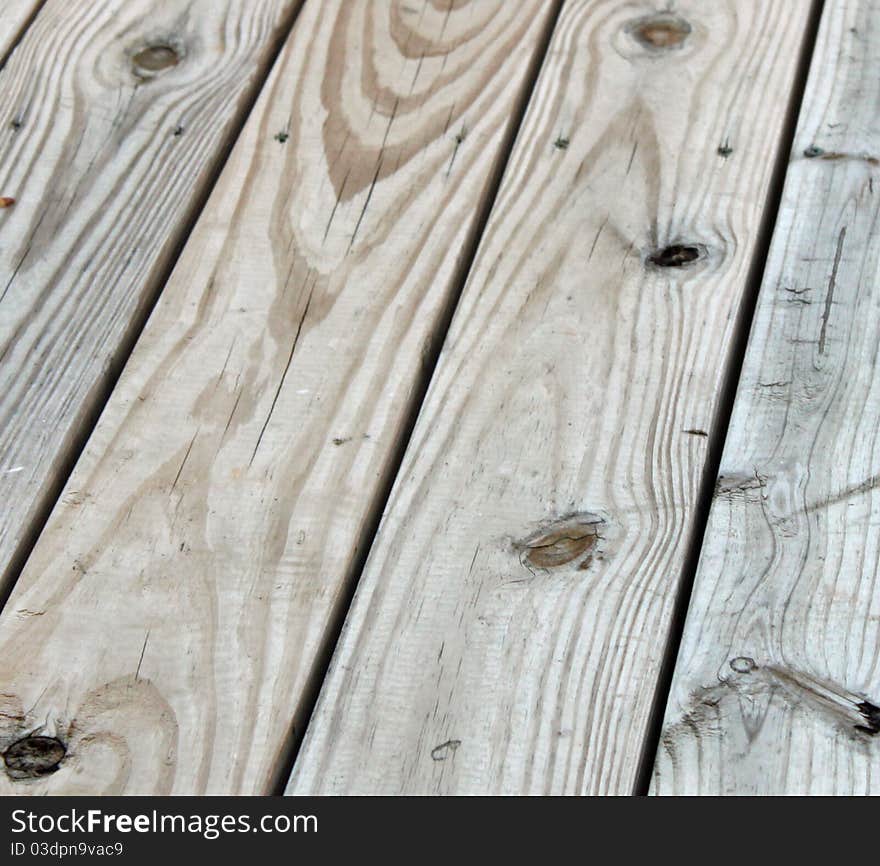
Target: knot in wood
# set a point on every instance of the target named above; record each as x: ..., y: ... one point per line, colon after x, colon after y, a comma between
x: 743, y: 665
x: 156, y: 58
x: 562, y: 541
x: 660, y: 32
x: 675, y: 256
x: 33, y: 756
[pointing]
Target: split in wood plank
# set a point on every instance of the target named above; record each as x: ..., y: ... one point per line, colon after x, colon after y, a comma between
x: 169, y: 623
x: 114, y: 117
x: 777, y: 684
x: 508, y: 629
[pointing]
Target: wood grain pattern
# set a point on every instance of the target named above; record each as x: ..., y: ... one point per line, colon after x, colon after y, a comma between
x: 113, y: 117
x: 166, y: 627
x: 778, y: 678
x: 507, y: 632
x: 15, y: 17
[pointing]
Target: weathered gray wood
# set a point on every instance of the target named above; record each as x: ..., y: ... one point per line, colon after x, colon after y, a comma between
x: 113, y: 117
x: 507, y: 632
x: 777, y: 683
x: 167, y: 625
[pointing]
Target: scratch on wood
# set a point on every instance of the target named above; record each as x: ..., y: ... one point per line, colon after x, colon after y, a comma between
x: 284, y: 373
x: 632, y: 156
x: 596, y: 239
x: 829, y: 297
x: 459, y: 140
x: 336, y: 204
x: 183, y: 462
x: 445, y: 750
x: 366, y: 203
x: 141, y: 659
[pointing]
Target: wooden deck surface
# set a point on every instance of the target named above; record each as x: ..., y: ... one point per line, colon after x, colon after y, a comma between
x: 439, y: 397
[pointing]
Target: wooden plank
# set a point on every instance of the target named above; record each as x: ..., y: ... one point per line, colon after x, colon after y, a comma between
x: 777, y: 685
x: 17, y: 14
x: 167, y: 625
x: 508, y: 629
x: 113, y: 119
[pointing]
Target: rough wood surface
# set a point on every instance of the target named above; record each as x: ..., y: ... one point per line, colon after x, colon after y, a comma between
x: 777, y: 685
x: 113, y: 116
x: 166, y: 627
x: 507, y: 631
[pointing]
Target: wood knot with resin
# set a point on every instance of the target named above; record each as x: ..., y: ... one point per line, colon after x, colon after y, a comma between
x: 660, y: 32
x: 571, y: 539
x: 153, y: 59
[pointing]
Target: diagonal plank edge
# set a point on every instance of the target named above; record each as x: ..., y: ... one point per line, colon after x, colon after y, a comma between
x: 166, y: 626
x: 115, y: 117
x: 777, y: 683
x: 17, y: 15
x: 508, y: 629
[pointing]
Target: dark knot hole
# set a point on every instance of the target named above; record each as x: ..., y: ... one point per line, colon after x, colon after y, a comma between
x: 675, y: 256
x: 33, y: 756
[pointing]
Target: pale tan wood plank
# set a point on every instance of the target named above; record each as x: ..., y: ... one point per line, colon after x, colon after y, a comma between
x: 777, y: 685
x: 113, y: 118
x: 15, y: 16
x: 167, y: 626
x: 508, y: 629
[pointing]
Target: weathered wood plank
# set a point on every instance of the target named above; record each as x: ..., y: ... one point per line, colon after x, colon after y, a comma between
x: 113, y: 119
x: 778, y: 679
x: 167, y: 625
x: 15, y: 17
x: 508, y: 629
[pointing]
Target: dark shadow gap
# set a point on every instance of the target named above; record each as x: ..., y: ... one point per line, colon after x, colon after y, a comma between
x: 721, y: 423
x: 288, y: 756
x: 151, y: 294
